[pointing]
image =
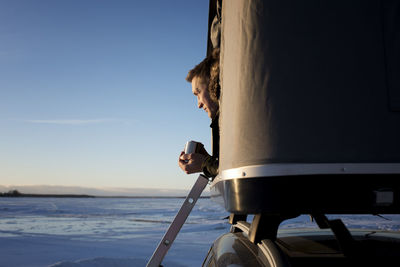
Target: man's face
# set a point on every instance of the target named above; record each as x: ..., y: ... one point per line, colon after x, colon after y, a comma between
x: 204, y: 100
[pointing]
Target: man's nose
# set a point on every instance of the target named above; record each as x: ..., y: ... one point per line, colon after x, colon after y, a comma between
x: 199, y: 104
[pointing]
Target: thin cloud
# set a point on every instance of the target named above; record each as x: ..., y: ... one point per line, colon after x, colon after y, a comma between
x: 72, y: 122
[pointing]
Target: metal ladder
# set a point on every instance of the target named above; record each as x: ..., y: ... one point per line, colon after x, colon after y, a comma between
x: 177, y: 223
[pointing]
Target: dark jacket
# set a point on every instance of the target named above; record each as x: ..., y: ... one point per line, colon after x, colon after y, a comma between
x: 211, y: 163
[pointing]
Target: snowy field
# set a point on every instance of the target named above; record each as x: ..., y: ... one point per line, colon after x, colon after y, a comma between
x: 72, y: 232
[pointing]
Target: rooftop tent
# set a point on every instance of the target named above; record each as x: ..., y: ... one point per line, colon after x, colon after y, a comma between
x: 310, y: 106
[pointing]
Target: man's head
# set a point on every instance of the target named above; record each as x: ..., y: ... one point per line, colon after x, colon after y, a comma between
x: 204, y: 100
x: 205, y: 83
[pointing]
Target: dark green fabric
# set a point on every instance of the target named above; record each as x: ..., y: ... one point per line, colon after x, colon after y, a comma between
x: 211, y: 164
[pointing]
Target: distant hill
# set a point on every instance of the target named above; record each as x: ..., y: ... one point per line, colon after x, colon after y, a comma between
x: 16, y: 193
x: 75, y: 191
x: 8, y: 194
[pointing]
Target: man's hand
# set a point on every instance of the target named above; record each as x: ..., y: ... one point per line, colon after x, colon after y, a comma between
x: 191, y: 163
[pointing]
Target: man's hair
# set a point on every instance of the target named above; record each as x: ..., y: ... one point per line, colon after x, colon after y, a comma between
x: 208, y: 72
x: 214, y: 85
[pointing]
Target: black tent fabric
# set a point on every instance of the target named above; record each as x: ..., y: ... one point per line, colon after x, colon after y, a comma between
x: 307, y: 81
x: 310, y: 90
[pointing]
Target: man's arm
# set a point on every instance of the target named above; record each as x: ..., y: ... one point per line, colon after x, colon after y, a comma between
x: 210, y: 166
x: 199, y: 162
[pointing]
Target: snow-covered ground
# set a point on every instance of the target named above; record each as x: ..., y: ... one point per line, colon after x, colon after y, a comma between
x: 119, y: 232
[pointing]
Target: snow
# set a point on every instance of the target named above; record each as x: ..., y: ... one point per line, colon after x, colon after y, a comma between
x: 103, y: 231
x: 72, y: 232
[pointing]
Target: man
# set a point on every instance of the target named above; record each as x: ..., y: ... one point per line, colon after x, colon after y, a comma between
x: 205, y: 86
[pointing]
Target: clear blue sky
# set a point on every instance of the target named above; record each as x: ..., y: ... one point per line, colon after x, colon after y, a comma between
x: 93, y: 92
